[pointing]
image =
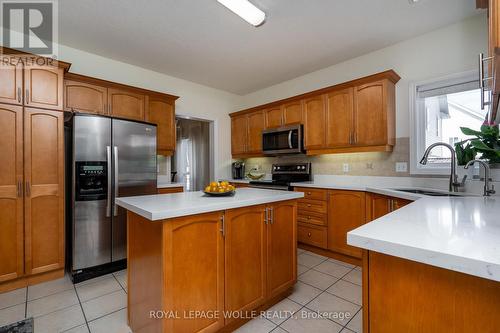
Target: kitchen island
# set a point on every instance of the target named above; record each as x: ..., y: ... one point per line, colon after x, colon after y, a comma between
x: 199, y: 263
x: 432, y: 266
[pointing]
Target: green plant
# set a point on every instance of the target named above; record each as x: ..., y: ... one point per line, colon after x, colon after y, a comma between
x: 485, y: 142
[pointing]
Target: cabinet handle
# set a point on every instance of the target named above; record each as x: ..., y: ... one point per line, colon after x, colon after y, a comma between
x: 308, y: 205
x: 265, y: 215
x: 308, y: 234
x: 19, y: 188
x: 28, y: 192
x: 223, y: 224
x: 272, y: 215
x: 27, y: 96
x: 19, y: 92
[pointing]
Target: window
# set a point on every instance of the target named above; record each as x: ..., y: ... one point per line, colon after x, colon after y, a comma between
x: 438, y: 109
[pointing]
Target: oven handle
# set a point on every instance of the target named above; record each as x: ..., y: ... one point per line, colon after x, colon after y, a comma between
x: 290, y: 139
x: 108, y: 201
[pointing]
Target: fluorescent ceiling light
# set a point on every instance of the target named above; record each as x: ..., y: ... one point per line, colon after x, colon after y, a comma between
x: 245, y: 10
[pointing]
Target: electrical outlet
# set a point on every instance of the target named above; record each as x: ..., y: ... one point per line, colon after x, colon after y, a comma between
x: 401, y: 167
x: 369, y: 166
x: 345, y: 167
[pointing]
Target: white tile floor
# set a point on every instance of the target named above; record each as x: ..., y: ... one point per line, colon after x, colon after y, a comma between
x: 326, y: 289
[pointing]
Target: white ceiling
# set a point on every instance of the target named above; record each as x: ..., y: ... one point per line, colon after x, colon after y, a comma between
x: 202, y: 41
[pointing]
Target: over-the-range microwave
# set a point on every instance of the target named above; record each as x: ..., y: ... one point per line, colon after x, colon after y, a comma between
x: 283, y: 140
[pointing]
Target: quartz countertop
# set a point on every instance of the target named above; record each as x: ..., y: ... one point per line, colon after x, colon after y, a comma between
x: 168, y: 185
x: 456, y: 233
x: 164, y: 206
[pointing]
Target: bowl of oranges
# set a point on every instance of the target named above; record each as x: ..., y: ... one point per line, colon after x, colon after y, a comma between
x: 219, y: 189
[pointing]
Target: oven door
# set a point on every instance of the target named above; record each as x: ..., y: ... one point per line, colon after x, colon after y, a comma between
x: 283, y: 140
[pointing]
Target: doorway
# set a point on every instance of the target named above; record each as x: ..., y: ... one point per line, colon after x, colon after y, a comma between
x: 192, y: 158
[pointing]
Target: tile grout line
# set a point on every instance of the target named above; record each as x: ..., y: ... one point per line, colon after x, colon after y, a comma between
x: 81, y: 308
x: 119, y: 283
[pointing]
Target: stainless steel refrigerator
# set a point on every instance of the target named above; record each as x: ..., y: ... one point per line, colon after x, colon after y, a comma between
x: 110, y: 158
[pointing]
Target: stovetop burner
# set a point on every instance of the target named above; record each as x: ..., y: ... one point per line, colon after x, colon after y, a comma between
x: 283, y: 175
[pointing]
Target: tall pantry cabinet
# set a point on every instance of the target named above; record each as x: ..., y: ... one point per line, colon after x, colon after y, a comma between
x: 31, y: 174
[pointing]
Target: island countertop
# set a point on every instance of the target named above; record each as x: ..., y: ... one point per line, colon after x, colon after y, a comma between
x: 164, y: 206
x: 460, y: 234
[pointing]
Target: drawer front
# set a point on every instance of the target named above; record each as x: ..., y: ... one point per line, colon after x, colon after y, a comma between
x: 312, y: 235
x: 312, y: 193
x: 312, y: 218
x: 314, y: 206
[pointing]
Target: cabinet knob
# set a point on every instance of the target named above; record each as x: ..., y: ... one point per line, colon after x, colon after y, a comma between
x: 308, y: 234
x: 308, y: 193
x: 308, y: 205
x: 308, y: 217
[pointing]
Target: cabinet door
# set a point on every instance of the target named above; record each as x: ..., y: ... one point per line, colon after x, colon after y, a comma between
x: 245, y: 258
x: 161, y: 113
x: 85, y: 97
x: 195, y: 271
x: 346, y: 211
x: 399, y: 203
x: 126, y: 104
x: 314, y: 122
x: 292, y: 113
x: 43, y: 87
x: 370, y: 114
x: 239, y: 134
x: 255, y: 127
x: 376, y: 206
x: 274, y: 117
x: 11, y: 201
x: 281, y: 247
x: 339, y: 120
x: 11, y: 83
x: 44, y: 190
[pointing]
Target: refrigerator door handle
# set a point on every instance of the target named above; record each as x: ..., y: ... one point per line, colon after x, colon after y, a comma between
x: 108, y: 201
x: 115, y: 160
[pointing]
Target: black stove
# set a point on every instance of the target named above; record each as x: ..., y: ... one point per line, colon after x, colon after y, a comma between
x: 283, y: 174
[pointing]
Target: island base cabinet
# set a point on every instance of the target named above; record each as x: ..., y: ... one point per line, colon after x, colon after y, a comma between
x: 226, y: 263
x: 425, y: 298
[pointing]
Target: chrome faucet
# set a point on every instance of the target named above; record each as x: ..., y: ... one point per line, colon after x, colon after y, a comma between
x: 487, y: 190
x: 454, y: 184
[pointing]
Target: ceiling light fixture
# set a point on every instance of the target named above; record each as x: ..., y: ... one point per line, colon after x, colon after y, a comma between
x: 246, y: 10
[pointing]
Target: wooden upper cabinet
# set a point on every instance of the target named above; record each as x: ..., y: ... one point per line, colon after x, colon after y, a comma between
x: 126, y: 104
x: 11, y: 201
x: 194, y: 271
x: 43, y: 87
x: 281, y: 247
x: 292, y: 113
x: 239, y: 133
x: 314, y: 122
x: 245, y: 258
x: 274, y: 117
x: 161, y: 112
x: 255, y: 128
x: 370, y: 114
x: 11, y: 83
x: 44, y: 190
x: 85, y: 97
x: 346, y: 212
x: 339, y: 118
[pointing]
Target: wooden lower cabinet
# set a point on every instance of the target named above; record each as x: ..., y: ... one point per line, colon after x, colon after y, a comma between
x: 245, y: 258
x: 44, y: 190
x: 425, y: 298
x: 11, y: 194
x: 313, y: 235
x: 168, y: 190
x: 234, y: 260
x: 281, y: 247
x: 346, y: 211
x: 378, y: 205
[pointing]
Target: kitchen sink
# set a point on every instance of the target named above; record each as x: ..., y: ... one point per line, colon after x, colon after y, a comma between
x: 428, y: 192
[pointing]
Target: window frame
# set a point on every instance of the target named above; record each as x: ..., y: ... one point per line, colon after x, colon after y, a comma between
x: 418, y: 124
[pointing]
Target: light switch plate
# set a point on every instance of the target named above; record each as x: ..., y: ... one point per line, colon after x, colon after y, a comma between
x: 345, y: 167
x: 401, y: 167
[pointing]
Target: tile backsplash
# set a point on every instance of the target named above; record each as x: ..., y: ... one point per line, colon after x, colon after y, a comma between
x: 359, y: 164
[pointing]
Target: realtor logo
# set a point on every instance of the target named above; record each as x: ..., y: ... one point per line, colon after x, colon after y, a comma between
x: 30, y: 26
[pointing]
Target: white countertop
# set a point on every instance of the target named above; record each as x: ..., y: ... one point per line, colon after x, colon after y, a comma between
x: 164, y: 206
x: 459, y: 233
x: 168, y: 185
